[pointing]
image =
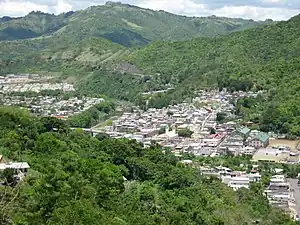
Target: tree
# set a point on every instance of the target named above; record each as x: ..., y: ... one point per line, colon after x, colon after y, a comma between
x: 102, y: 136
x: 221, y: 117
x: 8, y: 175
x: 162, y: 130
x: 185, y: 133
x: 212, y: 130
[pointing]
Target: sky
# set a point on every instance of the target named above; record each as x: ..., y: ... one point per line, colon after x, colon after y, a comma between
x: 249, y: 9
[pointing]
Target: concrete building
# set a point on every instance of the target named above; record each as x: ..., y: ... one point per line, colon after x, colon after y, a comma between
x: 247, y: 150
x: 239, y: 182
x: 18, y: 166
x: 260, y: 140
x: 270, y: 155
x: 279, y: 193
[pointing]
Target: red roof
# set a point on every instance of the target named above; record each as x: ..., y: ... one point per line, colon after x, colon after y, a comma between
x: 218, y: 136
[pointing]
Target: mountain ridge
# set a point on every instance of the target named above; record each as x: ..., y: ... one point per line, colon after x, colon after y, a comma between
x: 137, y: 26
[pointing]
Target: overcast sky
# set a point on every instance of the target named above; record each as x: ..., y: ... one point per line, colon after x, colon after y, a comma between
x: 251, y: 9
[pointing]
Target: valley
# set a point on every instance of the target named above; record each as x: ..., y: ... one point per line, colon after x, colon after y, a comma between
x: 119, y: 115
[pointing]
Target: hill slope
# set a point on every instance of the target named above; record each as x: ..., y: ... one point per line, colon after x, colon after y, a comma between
x: 33, y: 25
x: 121, y: 23
x: 265, y: 58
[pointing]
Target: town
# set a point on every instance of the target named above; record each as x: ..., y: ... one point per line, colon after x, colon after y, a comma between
x: 32, y: 92
x: 31, y: 82
x: 206, y: 126
x: 195, y: 128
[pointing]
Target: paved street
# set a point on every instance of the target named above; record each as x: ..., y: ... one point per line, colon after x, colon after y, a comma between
x: 296, y: 194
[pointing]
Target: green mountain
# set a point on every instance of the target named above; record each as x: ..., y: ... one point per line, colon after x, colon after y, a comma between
x: 264, y: 58
x: 33, y: 25
x: 6, y: 19
x: 121, y: 23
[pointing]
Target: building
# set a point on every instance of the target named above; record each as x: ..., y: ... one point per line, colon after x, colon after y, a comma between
x: 18, y: 166
x: 239, y: 182
x: 278, y: 193
x: 270, y: 155
x: 247, y: 151
x: 260, y: 140
x: 243, y: 131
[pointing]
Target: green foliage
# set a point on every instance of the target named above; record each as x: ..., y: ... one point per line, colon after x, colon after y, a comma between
x: 185, y: 132
x: 212, y: 130
x: 93, y: 115
x: 162, y: 130
x: 78, y: 179
x: 221, y: 117
x: 7, y: 176
x: 33, y: 25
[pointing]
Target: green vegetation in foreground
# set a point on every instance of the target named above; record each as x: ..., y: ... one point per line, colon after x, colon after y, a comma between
x: 78, y: 179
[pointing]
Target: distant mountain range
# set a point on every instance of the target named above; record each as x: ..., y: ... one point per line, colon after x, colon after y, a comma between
x: 121, y: 23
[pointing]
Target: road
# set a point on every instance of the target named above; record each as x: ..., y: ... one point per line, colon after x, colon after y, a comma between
x: 296, y: 194
x: 205, y: 121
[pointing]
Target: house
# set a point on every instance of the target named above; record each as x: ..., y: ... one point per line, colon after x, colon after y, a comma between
x: 260, y: 140
x: 243, y: 131
x: 239, y: 182
x: 247, y: 151
x: 239, y: 135
x: 270, y: 155
x: 278, y: 192
x: 18, y: 166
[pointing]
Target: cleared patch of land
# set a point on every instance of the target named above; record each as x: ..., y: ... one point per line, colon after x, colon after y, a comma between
x: 284, y: 142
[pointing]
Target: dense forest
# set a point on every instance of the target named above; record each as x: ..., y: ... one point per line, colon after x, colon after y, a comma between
x: 79, y: 179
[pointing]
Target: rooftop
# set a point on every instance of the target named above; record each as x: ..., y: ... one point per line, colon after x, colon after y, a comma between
x: 243, y: 130
x: 17, y: 165
x: 262, y: 137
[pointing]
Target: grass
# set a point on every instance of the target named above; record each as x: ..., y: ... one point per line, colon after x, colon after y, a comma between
x: 133, y: 25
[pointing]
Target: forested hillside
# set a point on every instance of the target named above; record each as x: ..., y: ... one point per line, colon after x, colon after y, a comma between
x: 121, y: 23
x: 78, y: 179
x: 33, y: 25
x: 265, y: 58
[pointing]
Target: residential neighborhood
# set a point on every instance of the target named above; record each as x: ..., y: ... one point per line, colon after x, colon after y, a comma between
x: 206, y: 126
x: 31, y: 82
x: 280, y: 191
x: 193, y: 127
x: 17, y: 90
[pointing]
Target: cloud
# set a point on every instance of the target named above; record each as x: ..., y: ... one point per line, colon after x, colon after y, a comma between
x: 62, y: 6
x: 20, y: 8
x: 257, y: 13
x: 251, y: 9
